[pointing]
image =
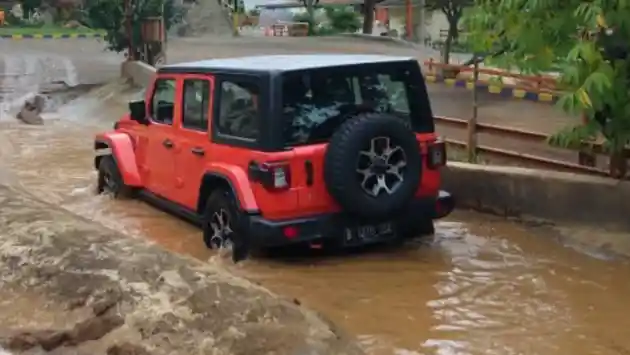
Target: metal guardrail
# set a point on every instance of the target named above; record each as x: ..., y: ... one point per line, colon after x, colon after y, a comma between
x: 585, y: 159
x: 586, y: 152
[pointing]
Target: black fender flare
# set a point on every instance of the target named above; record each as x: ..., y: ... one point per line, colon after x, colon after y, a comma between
x: 213, y: 180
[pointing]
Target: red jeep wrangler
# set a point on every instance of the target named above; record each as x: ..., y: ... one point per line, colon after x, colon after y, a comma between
x: 269, y: 150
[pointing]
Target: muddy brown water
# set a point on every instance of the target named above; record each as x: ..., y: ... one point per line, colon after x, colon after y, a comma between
x: 480, y: 286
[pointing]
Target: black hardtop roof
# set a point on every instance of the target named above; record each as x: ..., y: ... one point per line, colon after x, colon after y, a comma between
x: 279, y: 63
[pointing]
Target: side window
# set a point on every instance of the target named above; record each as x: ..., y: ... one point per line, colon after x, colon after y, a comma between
x: 239, y: 113
x: 396, y: 93
x: 163, y: 101
x: 195, y: 104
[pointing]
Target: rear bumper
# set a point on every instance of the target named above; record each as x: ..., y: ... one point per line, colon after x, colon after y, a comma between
x: 267, y: 233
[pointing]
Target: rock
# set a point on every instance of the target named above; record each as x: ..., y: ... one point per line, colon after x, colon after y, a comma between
x: 30, y: 117
x: 94, y: 328
x: 50, y: 340
x: 106, y: 301
x: 19, y: 341
x: 127, y: 349
x: 46, y: 339
x: 29, y: 113
x: 130, y: 297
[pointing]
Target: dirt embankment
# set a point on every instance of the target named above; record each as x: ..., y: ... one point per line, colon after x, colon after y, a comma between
x: 70, y: 286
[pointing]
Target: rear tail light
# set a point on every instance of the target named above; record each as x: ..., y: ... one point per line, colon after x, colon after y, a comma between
x: 291, y: 232
x: 272, y: 175
x: 436, y: 154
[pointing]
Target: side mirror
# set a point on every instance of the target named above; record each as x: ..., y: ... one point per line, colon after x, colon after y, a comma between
x: 138, y: 112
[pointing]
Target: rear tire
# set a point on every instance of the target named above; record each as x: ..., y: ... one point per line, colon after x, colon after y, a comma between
x: 221, y: 224
x: 110, y: 180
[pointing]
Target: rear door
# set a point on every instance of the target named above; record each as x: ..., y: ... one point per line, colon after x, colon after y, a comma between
x: 237, y: 122
x: 192, y: 138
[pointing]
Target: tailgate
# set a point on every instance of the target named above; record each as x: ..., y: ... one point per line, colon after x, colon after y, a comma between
x: 313, y: 198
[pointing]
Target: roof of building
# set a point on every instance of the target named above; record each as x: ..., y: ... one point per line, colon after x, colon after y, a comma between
x: 296, y: 4
x: 397, y: 3
x: 278, y: 63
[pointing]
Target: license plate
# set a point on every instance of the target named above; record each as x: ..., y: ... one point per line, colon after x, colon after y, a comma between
x: 368, y: 232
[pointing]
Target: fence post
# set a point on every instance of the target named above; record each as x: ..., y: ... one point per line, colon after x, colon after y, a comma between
x: 471, y: 143
x: 586, y: 158
x: 618, y: 165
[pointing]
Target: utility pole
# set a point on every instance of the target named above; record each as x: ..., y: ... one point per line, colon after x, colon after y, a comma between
x: 235, y: 10
x: 421, y: 21
x: 409, y: 19
x: 131, y: 55
x: 310, y: 10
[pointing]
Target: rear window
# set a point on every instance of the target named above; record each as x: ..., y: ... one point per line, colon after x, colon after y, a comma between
x: 316, y: 102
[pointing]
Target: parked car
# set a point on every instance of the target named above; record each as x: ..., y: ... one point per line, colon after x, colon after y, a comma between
x: 267, y: 151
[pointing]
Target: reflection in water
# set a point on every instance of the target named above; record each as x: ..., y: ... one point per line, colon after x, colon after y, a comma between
x: 481, y: 286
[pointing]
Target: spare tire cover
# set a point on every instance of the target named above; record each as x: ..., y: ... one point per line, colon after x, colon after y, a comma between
x: 373, y: 166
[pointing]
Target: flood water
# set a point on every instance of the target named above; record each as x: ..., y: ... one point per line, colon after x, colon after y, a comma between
x: 480, y: 286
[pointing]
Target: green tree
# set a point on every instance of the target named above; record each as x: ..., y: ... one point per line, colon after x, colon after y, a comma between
x: 453, y: 10
x: 343, y: 19
x: 368, y: 16
x: 109, y: 15
x: 587, y: 42
x: 310, y: 11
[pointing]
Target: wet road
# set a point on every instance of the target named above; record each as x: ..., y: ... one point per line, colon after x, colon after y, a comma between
x: 480, y: 286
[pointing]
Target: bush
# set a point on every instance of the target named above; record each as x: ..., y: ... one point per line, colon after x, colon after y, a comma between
x: 11, y: 20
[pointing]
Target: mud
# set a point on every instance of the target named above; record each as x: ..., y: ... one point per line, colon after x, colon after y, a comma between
x: 70, y: 286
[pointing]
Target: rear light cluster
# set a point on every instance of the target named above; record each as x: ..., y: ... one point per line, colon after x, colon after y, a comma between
x: 271, y: 175
x: 436, y: 154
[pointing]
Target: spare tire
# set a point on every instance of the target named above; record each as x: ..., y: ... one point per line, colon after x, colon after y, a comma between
x: 373, y: 166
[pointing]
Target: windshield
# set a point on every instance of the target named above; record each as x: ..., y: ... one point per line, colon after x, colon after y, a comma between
x: 316, y: 102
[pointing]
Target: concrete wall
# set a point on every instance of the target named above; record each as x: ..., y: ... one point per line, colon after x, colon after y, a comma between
x: 434, y: 22
x: 137, y: 72
x: 548, y: 195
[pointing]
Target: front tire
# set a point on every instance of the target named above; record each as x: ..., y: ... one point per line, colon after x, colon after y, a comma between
x: 110, y: 180
x: 221, y: 225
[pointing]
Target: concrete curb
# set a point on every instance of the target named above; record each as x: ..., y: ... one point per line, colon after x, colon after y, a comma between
x: 496, y: 89
x: 54, y: 36
x: 539, y: 194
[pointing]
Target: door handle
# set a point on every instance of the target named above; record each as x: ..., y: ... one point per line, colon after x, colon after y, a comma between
x: 168, y: 143
x: 198, y: 151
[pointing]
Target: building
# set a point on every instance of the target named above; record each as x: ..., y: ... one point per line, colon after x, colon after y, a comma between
x: 394, y: 12
x: 272, y: 12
